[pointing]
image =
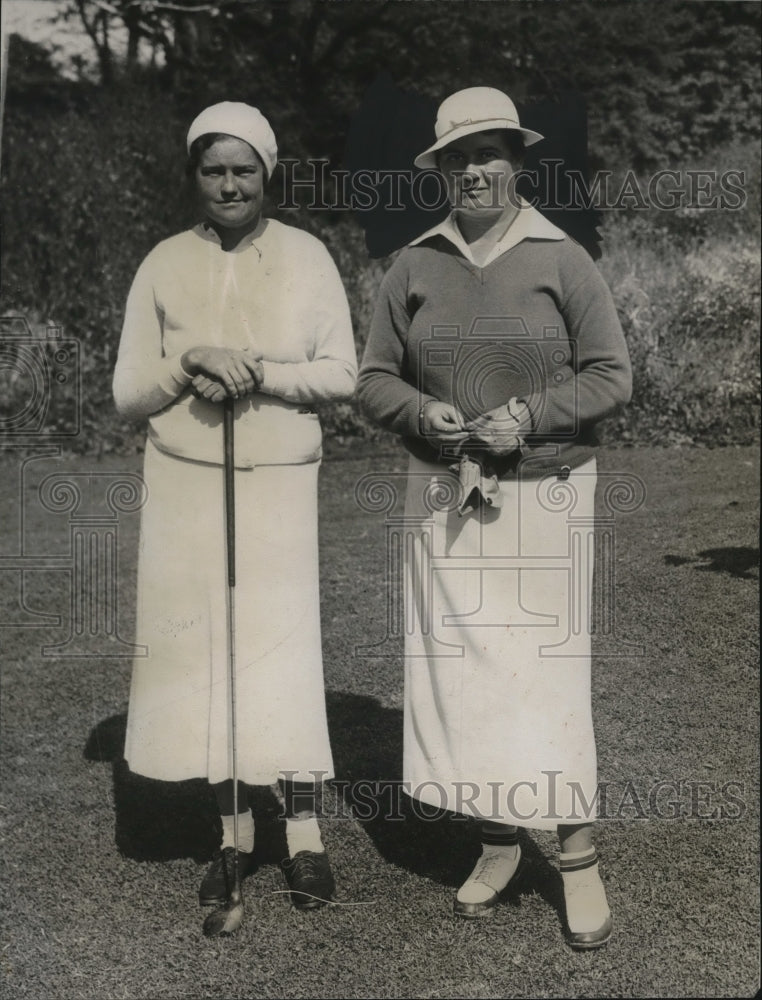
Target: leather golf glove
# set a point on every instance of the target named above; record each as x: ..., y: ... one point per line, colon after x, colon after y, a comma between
x: 502, y: 430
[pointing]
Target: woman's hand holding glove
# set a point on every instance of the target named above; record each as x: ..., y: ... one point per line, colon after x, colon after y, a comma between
x: 441, y: 422
x: 503, y: 429
x: 219, y: 372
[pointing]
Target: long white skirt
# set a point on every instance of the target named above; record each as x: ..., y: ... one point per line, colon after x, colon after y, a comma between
x: 178, y: 722
x: 498, y: 720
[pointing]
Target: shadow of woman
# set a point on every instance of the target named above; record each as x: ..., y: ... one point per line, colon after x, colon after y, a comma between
x: 738, y: 560
x: 165, y: 820
x: 434, y: 843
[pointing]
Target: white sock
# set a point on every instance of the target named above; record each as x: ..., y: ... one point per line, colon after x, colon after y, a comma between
x: 586, y: 906
x: 492, y: 873
x: 303, y: 834
x: 245, y: 831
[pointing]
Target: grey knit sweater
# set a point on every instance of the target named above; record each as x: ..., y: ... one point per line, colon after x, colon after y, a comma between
x: 538, y: 324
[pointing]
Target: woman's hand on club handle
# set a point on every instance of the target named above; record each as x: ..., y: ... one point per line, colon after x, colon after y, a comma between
x: 219, y: 372
x: 209, y: 389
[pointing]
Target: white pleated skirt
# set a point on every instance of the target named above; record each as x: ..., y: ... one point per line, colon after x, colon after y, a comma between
x: 498, y: 721
x: 178, y: 723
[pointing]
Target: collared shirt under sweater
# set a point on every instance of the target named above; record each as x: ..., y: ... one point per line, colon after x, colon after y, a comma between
x: 536, y: 322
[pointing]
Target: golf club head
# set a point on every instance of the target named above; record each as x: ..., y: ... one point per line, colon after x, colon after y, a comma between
x: 227, y: 919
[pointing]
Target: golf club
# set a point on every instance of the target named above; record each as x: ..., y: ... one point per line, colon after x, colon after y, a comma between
x: 228, y: 918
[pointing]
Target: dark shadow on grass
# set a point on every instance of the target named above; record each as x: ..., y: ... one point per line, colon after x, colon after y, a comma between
x: 164, y: 820
x: 435, y: 844
x: 736, y: 560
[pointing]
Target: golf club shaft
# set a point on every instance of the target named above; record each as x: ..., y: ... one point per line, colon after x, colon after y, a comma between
x: 228, y: 438
x: 229, y: 451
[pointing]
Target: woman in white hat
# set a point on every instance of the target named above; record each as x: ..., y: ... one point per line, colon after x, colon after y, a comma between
x: 494, y: 349
x: 245, y: 307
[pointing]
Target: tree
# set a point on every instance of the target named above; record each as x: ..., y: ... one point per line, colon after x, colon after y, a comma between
x: 660, y: 80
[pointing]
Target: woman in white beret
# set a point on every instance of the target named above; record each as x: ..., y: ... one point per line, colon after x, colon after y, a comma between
x: 245, y: 307
x: 494, y: 349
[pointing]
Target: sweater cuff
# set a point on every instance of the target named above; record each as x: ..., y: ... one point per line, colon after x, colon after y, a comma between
x: 272, y: 384
x: 417, y: 429
x: 174, y: 378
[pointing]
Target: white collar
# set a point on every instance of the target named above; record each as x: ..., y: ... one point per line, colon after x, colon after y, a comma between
x: 528, y: 224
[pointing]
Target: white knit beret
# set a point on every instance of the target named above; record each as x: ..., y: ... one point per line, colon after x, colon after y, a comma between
x: 242, y: 122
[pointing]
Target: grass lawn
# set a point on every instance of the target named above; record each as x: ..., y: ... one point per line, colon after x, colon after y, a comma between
x: 100, y: 868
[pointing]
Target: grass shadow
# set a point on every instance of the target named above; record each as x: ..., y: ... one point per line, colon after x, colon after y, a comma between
x: 436, y: 844
x: 367, y: 748
x: 164, y: 820
x: 737, y: 560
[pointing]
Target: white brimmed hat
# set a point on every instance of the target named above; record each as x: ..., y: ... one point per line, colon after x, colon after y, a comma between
x: 477, y: 109
x: 242, y: 122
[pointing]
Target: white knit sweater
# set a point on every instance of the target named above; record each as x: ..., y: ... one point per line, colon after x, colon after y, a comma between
x: 280, y: 294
